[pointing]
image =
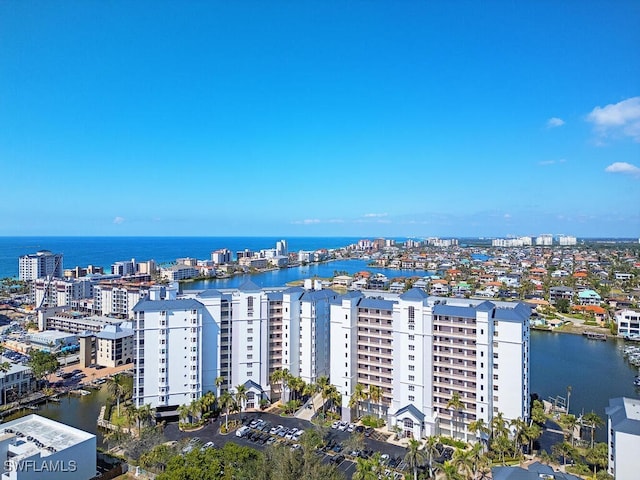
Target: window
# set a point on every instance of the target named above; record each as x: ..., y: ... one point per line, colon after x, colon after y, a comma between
x: 495, y: 388
x: 495, y: 377
x: 411, y: 388
x: 411, y: 398
x: 249, y: 330
x: 249, y: 374
x: 412, y: 378
x: 412, y: 358
x: 412, y: 337
x: 412, y: 348
x: 412, y: 368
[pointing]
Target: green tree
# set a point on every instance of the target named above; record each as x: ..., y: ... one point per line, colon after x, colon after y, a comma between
x: 365, y: 470
x: 592, y: 421
x: 117, y: 387
x: 226, y: 402
x: 598, y: 456
x: 564, y: 450
x: 448, y: 471
x: 563, y: 305
x: 415, y: 457
x: 455, y: 404
x: 42, y: 364
x: 375, y: 394
x: 241, y: 396
x: 218, y: 381
x: 431, y: 452
x: 359, y: 394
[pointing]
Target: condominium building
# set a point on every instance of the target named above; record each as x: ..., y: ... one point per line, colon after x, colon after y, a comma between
x: 17, y: 382
x: 420, y: 351
x: 114, y: 345
x: 117, y: 298
x: 39, y: 265
x: 58, y: 292
x: 221, y: 256
x: 623, y: 424
x: 179, y: 272
x: 242, y: 335
x: 628, y: 323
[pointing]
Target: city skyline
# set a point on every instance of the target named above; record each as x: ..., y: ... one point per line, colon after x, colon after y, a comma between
x: 320, y: 119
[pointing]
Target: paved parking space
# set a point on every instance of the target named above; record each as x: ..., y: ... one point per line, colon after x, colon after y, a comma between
x: 210, y: 433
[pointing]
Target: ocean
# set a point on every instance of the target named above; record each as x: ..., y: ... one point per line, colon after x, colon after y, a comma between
x: 104, y: 251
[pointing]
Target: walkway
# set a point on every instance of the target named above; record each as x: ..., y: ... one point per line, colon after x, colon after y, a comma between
x: 310, y: 408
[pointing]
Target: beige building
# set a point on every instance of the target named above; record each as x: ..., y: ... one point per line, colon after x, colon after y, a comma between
x: 114, y: 345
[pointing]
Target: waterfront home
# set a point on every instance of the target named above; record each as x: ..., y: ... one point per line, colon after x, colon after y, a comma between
x: 560, y: 292
x: 628, y: 322
x: 589, y: 297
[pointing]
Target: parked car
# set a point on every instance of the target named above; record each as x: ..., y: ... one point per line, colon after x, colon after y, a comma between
x: 242, y: 431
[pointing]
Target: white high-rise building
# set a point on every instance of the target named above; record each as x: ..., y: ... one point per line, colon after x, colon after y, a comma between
x: 624, y: 437
x: 419, y: 351
x: 40, y: 265
x: 281, y: 248
x: 243, y: 336
x: 567, y: 240
x: 545, y: 240
x: 175, y: 349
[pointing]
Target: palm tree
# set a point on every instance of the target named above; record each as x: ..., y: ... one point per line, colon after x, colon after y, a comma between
x: 463, y: 461
x: 359, y: 394
x: 276, y: 378
x: 534, y: 432
x: 218, y: 381
x: 184, y: 412
x: 296, y: 384
x: 365, y: 470
x: 448, y: 470
x: 116, y: 387
x: 479, y: 461
x: 456, y: 405
x: 325, y: 389
x: 241, y: 396
x: 592, y: 421
x: 375, y: 394
x: 479, y: 427
x: 208, y: 400
x: 196, y: 409
x: 415, y: 457
x: 310, y: 389
x: 520, y: 432
x: 431, y: 451
x: 286, y: 378
x: 571, y: 421
x: 563, y: 450
x: 226, y: 401
x: 145, y: 414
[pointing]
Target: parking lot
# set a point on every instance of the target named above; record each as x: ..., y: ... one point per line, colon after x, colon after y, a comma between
x: 261, y: 437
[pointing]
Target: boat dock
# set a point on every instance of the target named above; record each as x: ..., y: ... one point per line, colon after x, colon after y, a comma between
x: 595, y: 336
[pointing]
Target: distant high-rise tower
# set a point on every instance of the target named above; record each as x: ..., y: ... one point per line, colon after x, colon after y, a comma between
x: 40, y: 265
x: 281, y: 248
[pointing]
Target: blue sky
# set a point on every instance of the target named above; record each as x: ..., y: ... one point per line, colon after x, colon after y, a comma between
x: 320, y: 118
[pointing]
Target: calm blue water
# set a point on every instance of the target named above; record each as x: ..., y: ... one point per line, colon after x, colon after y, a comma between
x: 596, y: 371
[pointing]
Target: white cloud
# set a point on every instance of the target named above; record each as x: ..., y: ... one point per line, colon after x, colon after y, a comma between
x: 551, y: 162
x: 375, y: 215
x: 306, y: 221
x: 507, y: 216
x: 619, y: 119
x: 554, y: 122
x: 623, y: 167
x: 118, y: 220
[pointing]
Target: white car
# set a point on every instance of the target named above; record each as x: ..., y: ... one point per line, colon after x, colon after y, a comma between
x: 291, y: 433
x: 343, y: 426
x: 351, y: 427
x: 335, y: 424
x: 298, y: 434
x: 275, y: 430
x: 241, y: 432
